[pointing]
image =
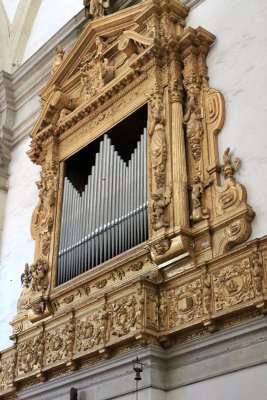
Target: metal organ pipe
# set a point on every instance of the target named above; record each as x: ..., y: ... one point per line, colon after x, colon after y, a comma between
x: 109, y: 216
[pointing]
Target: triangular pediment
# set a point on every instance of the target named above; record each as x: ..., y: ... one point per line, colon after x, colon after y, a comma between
x: 108, y: 28
x: 107, y: 48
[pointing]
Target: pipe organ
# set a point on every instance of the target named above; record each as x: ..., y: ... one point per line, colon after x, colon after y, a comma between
x: 109, y: 216
x: 135, y: 69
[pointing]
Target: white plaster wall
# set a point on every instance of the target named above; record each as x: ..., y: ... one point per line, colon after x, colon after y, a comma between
x: 238, y: 68
x: 18, y: 247
x: 247, y: 384
x: 52, y: 16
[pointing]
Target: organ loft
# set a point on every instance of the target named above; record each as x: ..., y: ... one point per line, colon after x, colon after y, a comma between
x: 140, y: 223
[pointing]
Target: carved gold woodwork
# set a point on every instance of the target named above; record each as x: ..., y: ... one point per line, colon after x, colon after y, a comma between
x: 186, y: 275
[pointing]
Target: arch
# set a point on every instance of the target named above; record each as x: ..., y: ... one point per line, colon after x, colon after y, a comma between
x: 4, y: 34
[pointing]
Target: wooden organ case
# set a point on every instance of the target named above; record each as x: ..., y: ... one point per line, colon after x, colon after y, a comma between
x: 133, y: 92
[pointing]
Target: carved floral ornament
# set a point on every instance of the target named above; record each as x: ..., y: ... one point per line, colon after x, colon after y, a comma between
x: 103, y: 79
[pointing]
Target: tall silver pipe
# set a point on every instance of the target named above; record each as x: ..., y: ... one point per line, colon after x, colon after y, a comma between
x: 92, y: 202
x: 66, y: 194
x: 62, y: 233
x: 125, y: 195
x: 82, y: 230
x: 145, y: 184
x: 114, y: 205
x: 132, y: 200
x: 94, y: 205
x: 136, y: 192
x: 103, y: 197
x: 139, y: 183
x: 122, y: 188
x: 142, y: 193
x: 88, y: 222
x: 75, y: 216
x: 74, y: 249
x: 70, y: 232
x: 99, y: 184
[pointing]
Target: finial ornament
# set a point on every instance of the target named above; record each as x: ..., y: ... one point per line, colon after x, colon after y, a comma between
x: 228, y: 168
x: 59, y: 55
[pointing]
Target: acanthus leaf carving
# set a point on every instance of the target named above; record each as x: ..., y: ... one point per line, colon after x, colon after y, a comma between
x: 126, y: 315
x: 91, y: 331
x: 8, y: 371
x: 60, y: 342
x: 30, y: 354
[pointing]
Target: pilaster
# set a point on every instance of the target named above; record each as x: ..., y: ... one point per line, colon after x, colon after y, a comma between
x: 6, y: 124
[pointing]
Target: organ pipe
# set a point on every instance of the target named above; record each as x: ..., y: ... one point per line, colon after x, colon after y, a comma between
x: 109, y: 216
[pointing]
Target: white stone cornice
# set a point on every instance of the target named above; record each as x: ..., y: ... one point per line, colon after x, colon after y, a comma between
x: 7, y: 109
